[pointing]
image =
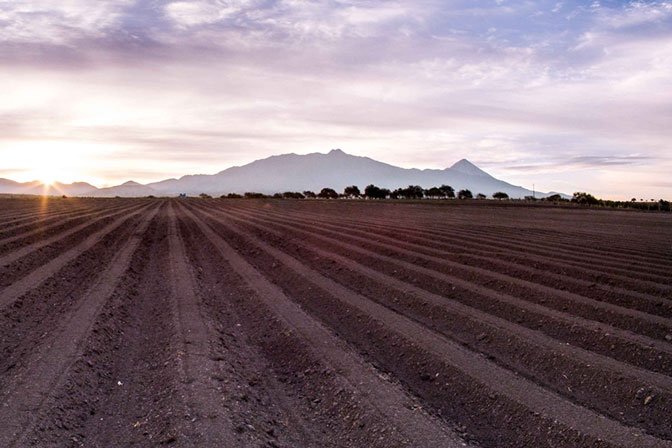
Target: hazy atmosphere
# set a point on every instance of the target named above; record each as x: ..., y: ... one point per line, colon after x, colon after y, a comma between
x: 567, y: 95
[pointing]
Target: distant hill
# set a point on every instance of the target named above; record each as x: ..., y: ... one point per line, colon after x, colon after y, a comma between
x: 37, y: 187
x: 128, y: 189
x: 292, y: 172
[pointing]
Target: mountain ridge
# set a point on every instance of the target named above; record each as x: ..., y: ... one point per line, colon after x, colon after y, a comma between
x: 299, y: 172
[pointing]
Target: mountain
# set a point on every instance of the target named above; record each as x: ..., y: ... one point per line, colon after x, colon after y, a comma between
x: 128, y: 189
x: 292, y: 172
x: 466, y: 167
x: 38, y: 188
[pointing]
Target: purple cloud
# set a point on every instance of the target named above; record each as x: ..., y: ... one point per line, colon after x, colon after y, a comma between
x: 419, y: 83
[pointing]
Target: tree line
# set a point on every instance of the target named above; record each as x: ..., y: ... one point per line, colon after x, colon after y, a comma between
x: 370, y: 192
x: 447, y: 192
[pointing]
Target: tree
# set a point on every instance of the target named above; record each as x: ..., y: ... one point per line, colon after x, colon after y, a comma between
x: 553, y: 198
x: 447, y: 191
x: 205, y: 196
x: 309, y: 194
x: 465, y: 194
x: 292, y: 195
x: 373, y: 192
x: 415, y: 192
x: 396, y: 194
x: 411, y: 192
x: 583, y: 198
x: 481, y: 196
x: 253, y: 195
x: 352, y: 191
x: 500, y: 195
x: 434, y: 192
x: 277, y: 196
x: 232, y: 196
x: 327, y: 193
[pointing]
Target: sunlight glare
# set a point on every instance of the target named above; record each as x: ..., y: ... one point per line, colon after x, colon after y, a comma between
x: 45, y: 161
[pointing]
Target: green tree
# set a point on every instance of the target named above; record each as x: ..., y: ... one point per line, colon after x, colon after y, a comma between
x: 328, y: 193
x: 292, y: 195
x: 434, y: 192
x: 583, y: 198
x: 465, y: 194
x: 500, y: 195
x: 373, y: 192
x: 253, y: 195
x: 447, y: 191
x: 352, y: 191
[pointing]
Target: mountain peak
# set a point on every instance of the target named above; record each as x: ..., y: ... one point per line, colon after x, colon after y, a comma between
x: 336, y: 152
x: 466, y: 167
x: 130, y: 183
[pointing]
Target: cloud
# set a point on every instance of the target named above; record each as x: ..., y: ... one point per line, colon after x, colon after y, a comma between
x: 509, y: 85
x: 58, y: 22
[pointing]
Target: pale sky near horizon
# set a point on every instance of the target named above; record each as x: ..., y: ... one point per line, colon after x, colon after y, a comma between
x: 567, y: 95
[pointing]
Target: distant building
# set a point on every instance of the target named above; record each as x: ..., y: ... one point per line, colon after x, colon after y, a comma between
x: 183, y: 195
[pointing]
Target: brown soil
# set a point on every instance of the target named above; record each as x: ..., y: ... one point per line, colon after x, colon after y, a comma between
x: 253, y: 323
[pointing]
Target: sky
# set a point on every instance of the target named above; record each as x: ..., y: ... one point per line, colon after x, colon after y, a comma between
x: 566, y: 95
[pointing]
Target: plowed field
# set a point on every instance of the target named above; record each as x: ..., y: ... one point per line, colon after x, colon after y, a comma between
x: 271, y: 323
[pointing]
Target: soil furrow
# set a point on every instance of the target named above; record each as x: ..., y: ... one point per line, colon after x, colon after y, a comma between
x: 31, y: 318
x: 264, y: 374
x: 491, y: 376
x: 513, y: 239
x: 122, y: 391
x: 488, y: 245
x: 30, y: 216
x: 607, y: 340
x: 45, y: 227
x: 22, y: 400
x: 570, y: 370
x: 492, y: 247
x: 626, y: 318
x: 13, y: 252
x: 207, y: 425
x: 540, y: 272
x: 389, y: 401
x: 20, y: 287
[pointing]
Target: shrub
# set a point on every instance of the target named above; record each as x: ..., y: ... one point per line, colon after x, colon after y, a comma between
x: 309, y: 194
